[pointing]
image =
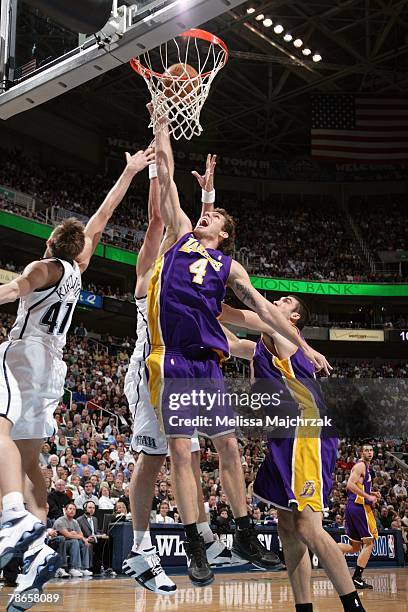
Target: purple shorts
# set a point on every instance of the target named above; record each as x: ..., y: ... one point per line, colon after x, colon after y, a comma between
x: 297, y: 471
x: 359, y: 521
x: 187, y: 392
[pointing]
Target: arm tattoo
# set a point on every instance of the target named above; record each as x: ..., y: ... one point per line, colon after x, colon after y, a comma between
x: 245, y: 294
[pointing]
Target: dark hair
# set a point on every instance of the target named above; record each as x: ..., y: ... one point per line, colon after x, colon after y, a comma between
x: 227, y: 244
x: 303, y: 310
x: 89, y: 502
x: 71, y: 503
x: 68, y: 239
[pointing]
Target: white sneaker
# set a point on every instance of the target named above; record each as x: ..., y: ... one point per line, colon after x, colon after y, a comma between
x: 219, y: 555
x: 86, y: 572
x: 39, y: 565
x: 75, y: 573
x: 146, y: 569
x: 61, y: 573
x: 17, y: 534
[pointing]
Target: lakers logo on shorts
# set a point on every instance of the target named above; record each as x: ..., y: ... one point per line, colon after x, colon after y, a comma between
x: 309, y: 489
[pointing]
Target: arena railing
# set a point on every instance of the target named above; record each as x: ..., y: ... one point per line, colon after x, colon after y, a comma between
x: 102, y: 410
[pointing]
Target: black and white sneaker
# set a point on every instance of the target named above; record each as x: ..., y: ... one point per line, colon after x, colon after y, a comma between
x: 247, y: 546
x: 17, y: 534
x: 219, y: 555
x: 145, y: 567
x: 360, y: 583
x: 39, y: 566
x: 199, y: 570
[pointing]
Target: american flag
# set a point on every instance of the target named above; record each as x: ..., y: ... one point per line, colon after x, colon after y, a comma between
x: 362, y: 129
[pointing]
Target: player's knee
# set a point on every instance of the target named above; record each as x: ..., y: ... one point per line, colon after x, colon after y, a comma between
x: 180, y: 450
x: 228, y: 450
x: 306, y: 531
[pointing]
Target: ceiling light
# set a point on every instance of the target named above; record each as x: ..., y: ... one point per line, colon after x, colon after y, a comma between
x: 267, y: 22
x: 288, y: 37
x: 317, y: 57
x: 298, y: 43
x: 260, y: 17
x: 306, y: 51
x: 278, y: 29
x: 250, y: 10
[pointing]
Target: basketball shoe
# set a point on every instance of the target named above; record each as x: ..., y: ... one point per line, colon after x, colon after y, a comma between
x: 199, y: 570
x: 360, y: 583
x: 247, y: 546
x: 17, y: 534
x: 145, y: 567
x: 40, y: 564
x: 219, y: 555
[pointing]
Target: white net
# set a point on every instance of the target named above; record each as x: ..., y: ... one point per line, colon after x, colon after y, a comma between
x: 178, y: 94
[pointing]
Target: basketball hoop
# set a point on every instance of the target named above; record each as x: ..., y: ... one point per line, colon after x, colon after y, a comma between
x: 179, y: 75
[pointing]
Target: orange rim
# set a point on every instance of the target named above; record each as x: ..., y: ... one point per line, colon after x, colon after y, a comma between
x: 145, y: 72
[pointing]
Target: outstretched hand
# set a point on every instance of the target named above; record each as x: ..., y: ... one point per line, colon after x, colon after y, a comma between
x: 137, y: 162
x: 319, y: 361
x: 206, y: 180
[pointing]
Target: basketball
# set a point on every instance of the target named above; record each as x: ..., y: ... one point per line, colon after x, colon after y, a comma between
x: 183, y: 82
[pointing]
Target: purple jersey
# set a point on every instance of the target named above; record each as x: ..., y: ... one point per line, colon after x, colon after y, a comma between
x: 364, y: 486
x: 300, y: 459
x: 294, y: 379
x: 186, y: 292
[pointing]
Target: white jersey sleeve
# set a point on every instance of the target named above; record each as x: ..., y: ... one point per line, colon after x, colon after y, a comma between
x: 45, y: 315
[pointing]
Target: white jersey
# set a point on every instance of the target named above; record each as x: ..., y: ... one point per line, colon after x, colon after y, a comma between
x: 45, y: 315
x: 142, y: 347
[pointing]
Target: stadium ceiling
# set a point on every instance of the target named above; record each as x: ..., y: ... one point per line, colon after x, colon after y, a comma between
x: 260, y: 103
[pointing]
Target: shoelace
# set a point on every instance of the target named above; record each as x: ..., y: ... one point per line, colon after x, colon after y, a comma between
x: 155, y: 565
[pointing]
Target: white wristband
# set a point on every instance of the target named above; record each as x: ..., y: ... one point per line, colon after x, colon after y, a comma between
x: 152, y: 171
x: 208, y: 197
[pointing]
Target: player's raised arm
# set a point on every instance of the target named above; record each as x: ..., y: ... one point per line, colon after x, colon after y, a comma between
x: 358, y: 472
x: 154, y: 233
x: 244, y: 318
x: 99, y: 220
x: 242, y: 348
x: 37, y: 275
x: 240, y: 283
x: 206, y: 182
x: 175, y: 219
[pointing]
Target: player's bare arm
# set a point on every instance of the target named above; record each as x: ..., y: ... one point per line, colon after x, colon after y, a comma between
x: 99, y: 220
x: 240, y: 284
x: 242, y: 348
x: 244, y: 318
x: 206, y: 182
x: 154, y: 234
x: 37, y: 275
x: 175, y: 219
x: 356, y: 474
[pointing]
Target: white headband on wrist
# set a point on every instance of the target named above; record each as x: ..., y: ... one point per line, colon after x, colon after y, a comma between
x: 208, y: 197
x: 152, y: 171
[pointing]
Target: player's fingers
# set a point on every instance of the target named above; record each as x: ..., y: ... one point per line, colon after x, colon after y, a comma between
x: 208, y: 162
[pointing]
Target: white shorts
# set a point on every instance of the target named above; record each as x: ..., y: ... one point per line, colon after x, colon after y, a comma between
x: 147, y: 437
x: 31, y: 385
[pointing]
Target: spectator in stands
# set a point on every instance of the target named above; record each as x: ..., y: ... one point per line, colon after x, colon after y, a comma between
x: 105, y: 501
x: 163, y: 514
x: 385, y: 517
x: 86, y: 496
x: 117, y: 490
x: 57, y: 500
x: 223, y: 521
x: 81, y: 331
x: 77, y: 546
x: 399, y: 488
x: 45, y: 454
x: 90, y: 529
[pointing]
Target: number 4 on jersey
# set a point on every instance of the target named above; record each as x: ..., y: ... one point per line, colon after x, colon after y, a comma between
x: 199, y: 268
x: 50, y: 318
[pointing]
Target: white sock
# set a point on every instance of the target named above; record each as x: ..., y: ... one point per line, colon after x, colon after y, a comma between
x: 141, y: 540
x: 13, y: 506
x: 205, y: 530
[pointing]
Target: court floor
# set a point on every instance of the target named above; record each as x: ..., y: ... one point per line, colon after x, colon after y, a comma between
x: 238, y: 591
